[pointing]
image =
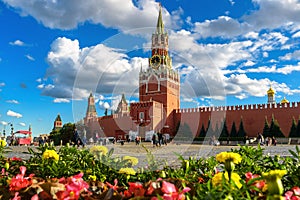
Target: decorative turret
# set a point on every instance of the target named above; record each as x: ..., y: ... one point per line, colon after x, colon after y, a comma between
x: 91, y: 109
x: 271, y: 95
x: 123, y: 106
x: 284, y: 100
x: 57, y: 123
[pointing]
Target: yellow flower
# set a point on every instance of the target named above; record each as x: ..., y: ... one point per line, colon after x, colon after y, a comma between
x: 229, y: 156
x: 127, y: 170
x: 3, y: 143
x: 275, y: 173
x: 98, y: 149
x: 49, y: 154
x: 217, y: 179
x: 92, y: 177
x: 133, y: 160
x: 274, y: 182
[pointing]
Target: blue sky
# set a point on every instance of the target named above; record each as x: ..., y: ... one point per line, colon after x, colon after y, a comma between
x: 54, y: 53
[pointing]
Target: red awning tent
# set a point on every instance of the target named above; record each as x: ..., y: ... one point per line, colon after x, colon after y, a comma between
x: 23, y: 132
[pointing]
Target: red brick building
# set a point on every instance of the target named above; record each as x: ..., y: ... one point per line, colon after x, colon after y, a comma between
x: 159, y: 105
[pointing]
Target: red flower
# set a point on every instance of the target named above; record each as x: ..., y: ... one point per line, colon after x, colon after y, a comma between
x: 171, y: 192
x: 259, y: 183
x: 293, y: 194
x: 136, y: 189
x: 19, y: 182
x: 16, y: 159
x: 74, y: 185
x: 114, y: 187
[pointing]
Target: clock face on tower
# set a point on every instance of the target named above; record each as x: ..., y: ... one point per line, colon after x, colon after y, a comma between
x: 155, y: 61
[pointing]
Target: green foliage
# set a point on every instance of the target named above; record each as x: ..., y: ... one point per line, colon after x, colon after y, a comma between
x: 202, y: 131
x: 195, y: 173
x: 233, y: 132
x: 224, y: 132
x: 266, y: 130
x: 241, y: 133
x: 293, y: 130
x: 275, y: 129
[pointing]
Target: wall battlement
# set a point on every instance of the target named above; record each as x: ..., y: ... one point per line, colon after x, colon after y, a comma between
x: 239, y: 107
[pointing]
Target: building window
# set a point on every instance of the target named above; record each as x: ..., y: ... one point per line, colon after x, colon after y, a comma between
x: 141, y: 115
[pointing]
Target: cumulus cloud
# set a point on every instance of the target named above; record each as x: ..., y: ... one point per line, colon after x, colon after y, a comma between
x: 66, y: 14
x: 73, y: 71
x: 61, y: 100
x: 13, y: 101
x: 17, y: 43
x: 13, y: 114
x: 3, y: 123
x: 22, y: 124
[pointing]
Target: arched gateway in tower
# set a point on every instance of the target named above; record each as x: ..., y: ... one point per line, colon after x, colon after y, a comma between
x: 159, y: 87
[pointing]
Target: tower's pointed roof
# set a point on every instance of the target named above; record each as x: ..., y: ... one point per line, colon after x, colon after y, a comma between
x: 271, y: 91
x: 58, y: 118
x: 284, y: 100
x: 160, y: 24
x: 123, y: 98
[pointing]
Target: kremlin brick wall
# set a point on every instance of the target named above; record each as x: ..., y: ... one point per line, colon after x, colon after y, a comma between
x: 253, y: 117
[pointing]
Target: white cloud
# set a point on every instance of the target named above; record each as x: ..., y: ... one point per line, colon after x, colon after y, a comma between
x: 13, y: 101
x: 249, y: 63
x: 296, y: 35
x: 2, y: 84
x: 224, y: 26
x: 61, y: 100
x: 3, y: 123
x: 66, y: 14
x: 17, y: 43
x: 289, y: 56
x: 75, y: 71
x: 13, y: 114
x: 22, y: 124
x: 29, y: 57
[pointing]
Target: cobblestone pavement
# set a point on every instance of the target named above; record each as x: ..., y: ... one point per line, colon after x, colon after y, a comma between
x: 167, y: 153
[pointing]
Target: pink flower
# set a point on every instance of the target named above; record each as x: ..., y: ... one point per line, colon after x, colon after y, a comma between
x: 114, y: 187
x: 259, y: 183
x: 17, y: 197
x: 293, y: 194
x: 74, y: 186
x: 19, y: 182
x: 171, y: 192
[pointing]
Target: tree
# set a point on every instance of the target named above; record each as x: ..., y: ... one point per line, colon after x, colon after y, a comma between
x: 266, y: 130
x: 241, y: 132
x: 66, y: 133
x: 275, y: 129
x: 105, y: 112
x: 202, y: 131
x: 184, y: 134
x: 224, y: 132
x: 293, y: 130
x: 298, y: 128
x: 233, y: 132
x: 217, y: 130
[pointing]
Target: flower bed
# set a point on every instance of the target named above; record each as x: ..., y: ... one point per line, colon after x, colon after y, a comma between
x: 95, y: 173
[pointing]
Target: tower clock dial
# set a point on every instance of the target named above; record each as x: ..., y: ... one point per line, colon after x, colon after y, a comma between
x: 155, y: 61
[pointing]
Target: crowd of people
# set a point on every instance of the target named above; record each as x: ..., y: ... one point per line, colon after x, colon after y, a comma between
x: 268, y: 141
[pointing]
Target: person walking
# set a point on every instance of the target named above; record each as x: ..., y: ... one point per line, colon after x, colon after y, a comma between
x: 76, y: 139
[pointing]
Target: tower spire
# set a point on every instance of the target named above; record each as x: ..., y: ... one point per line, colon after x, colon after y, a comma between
x: 160, y: 23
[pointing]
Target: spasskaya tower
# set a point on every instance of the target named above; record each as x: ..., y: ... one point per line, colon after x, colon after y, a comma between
x: 159, y: 87
x: 159, y: 82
